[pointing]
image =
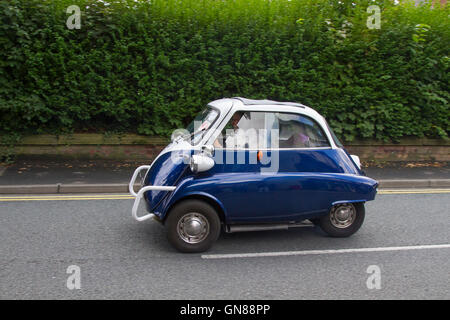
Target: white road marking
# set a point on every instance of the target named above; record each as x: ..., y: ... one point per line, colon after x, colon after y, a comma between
x: 316, y: 252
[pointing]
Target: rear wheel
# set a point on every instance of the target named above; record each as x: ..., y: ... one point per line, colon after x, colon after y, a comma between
x: 192, y: 226
x: 343, y: 220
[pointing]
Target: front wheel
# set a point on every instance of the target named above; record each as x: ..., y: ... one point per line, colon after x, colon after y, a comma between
x: 192, y: 226
x: 343, y: 220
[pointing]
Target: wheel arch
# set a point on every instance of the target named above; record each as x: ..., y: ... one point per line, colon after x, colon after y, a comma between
x: 212, y: 201
x: 348, y: 201
x: 359, y: 202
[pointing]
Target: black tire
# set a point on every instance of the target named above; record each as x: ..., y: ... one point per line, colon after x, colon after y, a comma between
x: 329, y: 227
x: 204, y: 220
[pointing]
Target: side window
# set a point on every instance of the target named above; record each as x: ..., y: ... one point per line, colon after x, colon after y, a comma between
x: 243, y: 131
x: 259, y: 130
x: 298, y: 131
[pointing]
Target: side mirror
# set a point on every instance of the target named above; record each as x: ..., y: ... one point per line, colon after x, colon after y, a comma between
x: 201, y: 163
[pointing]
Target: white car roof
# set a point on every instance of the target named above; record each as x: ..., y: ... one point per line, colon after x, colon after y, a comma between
x: 238, y: 103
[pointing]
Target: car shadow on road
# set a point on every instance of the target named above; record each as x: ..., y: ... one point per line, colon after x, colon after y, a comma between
x: 151, y: 235
x: 293, y: 239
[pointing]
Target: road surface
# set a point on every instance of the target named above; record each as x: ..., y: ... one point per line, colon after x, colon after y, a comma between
x: 401, y: 252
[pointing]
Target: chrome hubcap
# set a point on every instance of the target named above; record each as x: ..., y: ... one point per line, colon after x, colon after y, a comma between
x: 193, y: 228
x: 343, y: 215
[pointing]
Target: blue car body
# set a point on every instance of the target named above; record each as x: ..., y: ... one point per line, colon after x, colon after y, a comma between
x: 307, y: 184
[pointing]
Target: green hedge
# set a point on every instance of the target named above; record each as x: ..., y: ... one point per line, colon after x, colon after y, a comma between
x: 149, y: 66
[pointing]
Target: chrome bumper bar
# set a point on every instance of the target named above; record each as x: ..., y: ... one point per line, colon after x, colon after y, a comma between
x: 140, y: 193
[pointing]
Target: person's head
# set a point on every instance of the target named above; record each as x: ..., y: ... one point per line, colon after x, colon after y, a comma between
x: 235, y: 119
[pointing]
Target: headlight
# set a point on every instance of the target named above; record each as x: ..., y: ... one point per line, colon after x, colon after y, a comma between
x: 200, y: 163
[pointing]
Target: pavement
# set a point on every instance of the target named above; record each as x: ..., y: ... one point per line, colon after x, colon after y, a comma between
x: 106, y: 176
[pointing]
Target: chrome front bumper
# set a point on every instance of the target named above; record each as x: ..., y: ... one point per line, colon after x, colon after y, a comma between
x: 140, y: 194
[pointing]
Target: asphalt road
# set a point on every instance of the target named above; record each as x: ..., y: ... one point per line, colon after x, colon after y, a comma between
x: 123, y: 259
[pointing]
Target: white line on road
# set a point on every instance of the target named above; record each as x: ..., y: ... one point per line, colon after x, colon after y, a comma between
x: 316, y: 252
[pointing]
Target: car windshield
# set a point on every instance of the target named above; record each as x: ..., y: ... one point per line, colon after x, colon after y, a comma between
x: 201, y: 123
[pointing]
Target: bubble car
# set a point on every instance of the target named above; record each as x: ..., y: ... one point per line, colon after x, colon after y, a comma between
x: 249, y: 165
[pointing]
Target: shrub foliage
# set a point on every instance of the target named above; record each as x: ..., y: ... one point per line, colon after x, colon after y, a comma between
x: 149, y: 66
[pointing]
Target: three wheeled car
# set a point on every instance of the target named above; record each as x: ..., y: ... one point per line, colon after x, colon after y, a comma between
x: 245, y: 165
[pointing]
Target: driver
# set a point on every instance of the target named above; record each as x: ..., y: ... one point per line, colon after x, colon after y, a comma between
x: 237, y: 139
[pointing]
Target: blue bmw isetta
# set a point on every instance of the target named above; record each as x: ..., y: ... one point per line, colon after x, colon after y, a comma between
x: 246, y: 165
